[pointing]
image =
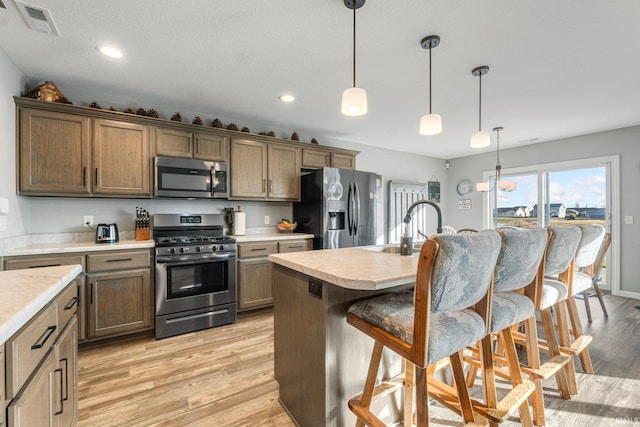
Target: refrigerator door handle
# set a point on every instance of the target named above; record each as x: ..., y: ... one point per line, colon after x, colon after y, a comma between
x: 350, y: 209
x: 356, y: 208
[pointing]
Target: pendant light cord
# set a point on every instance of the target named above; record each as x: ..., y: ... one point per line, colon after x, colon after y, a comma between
x: 480, y: 104
x: 430, y: 79
x: 354, y: 43
x: 498, y: 165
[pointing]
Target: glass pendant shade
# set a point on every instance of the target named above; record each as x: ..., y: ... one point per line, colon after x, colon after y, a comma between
x: 506, y: 185
x: 354, y: 101
x: 430, y: 124
x: 482, y: 187
x: 480, y: 139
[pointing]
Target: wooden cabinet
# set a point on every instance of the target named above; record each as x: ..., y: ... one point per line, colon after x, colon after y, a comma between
x: 120, y: 158
x: 53, y: 151
x: 264, y: 171
x: 119, y: 294
x: 197, y: 145
x: 255, y: 287
x: 74, y: 155
x: 313, y: 158
x: 66, y: 351
x: 2, y: 400
x: 41, y: 367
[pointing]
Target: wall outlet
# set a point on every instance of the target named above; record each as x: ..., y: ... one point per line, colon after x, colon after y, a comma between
x: 87, y: 221
x: 267, y: 220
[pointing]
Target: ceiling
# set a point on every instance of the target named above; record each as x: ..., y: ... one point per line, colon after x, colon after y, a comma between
x: 557, y: 68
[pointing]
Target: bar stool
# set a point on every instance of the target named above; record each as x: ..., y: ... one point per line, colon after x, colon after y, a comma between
x: 434, y: 321
x: 591, y: 241
x: 593, y: 273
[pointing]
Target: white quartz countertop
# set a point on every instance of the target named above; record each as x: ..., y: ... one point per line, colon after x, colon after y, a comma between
x: 272, y: 236
x: 70, y: 247
x: 26, y: 292
x: 352, y: 268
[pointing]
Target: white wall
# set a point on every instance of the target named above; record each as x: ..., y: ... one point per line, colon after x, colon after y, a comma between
x: 10, y: 85
x: 625, y: 142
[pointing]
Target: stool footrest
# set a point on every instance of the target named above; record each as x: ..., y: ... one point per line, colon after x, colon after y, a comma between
x: 547, y: 369
x: 384, y: 388
x: 578, y: 345
x: 508, y: 404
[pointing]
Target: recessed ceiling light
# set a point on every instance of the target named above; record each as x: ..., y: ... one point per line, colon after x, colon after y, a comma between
x: 287, y: 98
x: 111, y: 52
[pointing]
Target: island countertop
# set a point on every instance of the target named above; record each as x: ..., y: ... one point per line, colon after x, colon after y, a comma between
x: 352, y: 268
x: 27, y: 291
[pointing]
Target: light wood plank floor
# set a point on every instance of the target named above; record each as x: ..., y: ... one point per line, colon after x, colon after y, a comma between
x: 224, y: 377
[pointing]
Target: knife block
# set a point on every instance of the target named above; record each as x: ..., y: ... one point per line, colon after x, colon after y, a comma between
x: 142, y: 234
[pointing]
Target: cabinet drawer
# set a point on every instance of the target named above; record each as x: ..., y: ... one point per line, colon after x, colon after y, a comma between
x: 27, y: 348
x: 117, y: 261
x: 52, y: 261
x: 248, y: 250
x: 295, y: 246
x: 67, y: 302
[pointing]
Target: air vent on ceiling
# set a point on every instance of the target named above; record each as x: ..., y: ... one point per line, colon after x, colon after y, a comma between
x: 37, y: 18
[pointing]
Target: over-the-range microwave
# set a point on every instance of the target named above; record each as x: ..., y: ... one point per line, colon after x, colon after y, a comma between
x: 190, y: 178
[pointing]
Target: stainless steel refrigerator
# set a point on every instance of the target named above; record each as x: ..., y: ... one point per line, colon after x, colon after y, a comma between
x: 338, y: 206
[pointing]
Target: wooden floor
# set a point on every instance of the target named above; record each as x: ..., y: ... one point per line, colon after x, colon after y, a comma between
x: 224, y: 377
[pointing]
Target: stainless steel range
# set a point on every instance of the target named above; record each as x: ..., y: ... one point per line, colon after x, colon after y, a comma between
x: 195, y: 273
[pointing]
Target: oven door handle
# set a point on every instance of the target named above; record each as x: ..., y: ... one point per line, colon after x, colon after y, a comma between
x: 173, y: 260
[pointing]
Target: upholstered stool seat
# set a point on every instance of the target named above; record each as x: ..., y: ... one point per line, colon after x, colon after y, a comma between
x: 581, y: 282
x: 510, y: 308
x: 449, y: 332
x: 553, y: 291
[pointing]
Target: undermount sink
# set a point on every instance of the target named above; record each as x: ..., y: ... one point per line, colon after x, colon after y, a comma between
x: 392, y: 249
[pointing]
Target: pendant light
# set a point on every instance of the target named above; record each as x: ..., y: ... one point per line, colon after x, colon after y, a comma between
x: 480, y: 139
x: 430, y: 124
x: 501, y: 184
x: 354, y: 99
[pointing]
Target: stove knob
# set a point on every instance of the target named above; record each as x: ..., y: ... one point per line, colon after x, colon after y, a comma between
x: 182, y: 250
x: 221, y: 247
x: 198, y: 249
x: 214, y: 248
x: 172, y: 250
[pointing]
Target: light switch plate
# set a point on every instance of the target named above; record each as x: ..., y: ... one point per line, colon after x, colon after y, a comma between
x: 628, y: 219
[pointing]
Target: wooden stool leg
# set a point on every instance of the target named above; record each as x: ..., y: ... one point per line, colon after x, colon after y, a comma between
x: 585, y: 358
x: 599, y: 294
x: 554, y: 350
x: 409, y: 390
x: 585, y: 296
x: 516, y: 374
x: 461, y: 386
x: 565, y: 341
x: 370, y: 383
x: 488, y: 374
x: 471, y: 375
x: 533, y: 360
x: 422, y: 398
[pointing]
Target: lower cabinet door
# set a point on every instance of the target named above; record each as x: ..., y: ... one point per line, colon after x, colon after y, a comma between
x: 254, y: 283
x: 40, y: 399
x: 118, y: 303
x: 67, y: 357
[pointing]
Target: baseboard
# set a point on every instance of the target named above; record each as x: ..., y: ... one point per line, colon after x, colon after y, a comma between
x: 627, y: 294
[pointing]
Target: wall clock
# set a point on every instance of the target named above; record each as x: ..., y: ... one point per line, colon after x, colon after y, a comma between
x: 465, y: 187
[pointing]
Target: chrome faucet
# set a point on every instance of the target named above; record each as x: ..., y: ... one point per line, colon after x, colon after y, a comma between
x: 406, y: 241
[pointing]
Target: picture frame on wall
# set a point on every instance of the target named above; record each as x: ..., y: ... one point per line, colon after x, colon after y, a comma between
x: 433, y: 191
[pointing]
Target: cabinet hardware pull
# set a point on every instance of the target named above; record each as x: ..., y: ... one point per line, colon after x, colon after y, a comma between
x: 295, y: 247
x: 258, y: 249
x: 73, y: 302
x: 61, y: 404
x: 40, y: 343
x: 119, y: 260
x: 84, y: 176
x: 66, y: 378
x: 264, y: 185
x: 91, y: 294
x: 270, y: 186
x: 47, y: 265
x: 96, y: 183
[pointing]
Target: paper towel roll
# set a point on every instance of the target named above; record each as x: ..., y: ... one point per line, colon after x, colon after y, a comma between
x: 239, y: 223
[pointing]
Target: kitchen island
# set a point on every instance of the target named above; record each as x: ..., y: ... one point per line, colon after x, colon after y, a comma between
x: 320, y: 360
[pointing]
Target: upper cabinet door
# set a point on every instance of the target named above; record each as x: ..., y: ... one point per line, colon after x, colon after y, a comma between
x: 248, y: 169
x: 210, y: 147
x: 284, y: 172
x: 120, y: 158
x: 173, y: 143
x: 53, y: 153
